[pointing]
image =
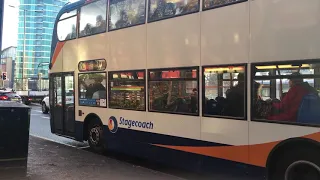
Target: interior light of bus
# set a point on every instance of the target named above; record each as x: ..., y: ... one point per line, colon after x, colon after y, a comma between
x: 223, y: 69
x: 287, y: 66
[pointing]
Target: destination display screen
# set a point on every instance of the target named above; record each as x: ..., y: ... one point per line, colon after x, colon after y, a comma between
x: 92, y: 65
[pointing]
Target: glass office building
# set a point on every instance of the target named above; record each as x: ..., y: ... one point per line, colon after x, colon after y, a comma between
x: 40, y: 16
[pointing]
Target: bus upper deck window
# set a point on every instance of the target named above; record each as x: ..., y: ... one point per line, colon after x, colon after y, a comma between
x: 93, y: 18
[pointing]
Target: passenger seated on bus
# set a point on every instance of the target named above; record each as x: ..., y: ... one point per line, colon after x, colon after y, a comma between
x: 123, y: 21
x: 163, y: 10
x: 194, y: 101
x: 86, y: 31
x: 73, y: 33
x: 99, y: 94
x: 288, y: 107
x: 101, y: 24
x: 92, y: 86
x: 235, y: 99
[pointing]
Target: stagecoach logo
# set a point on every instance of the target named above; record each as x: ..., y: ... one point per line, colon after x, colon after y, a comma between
x: 113, y: 124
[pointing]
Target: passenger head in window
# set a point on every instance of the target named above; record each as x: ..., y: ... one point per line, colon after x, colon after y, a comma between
x: 291, y: 102
x: 123, y: 21
x: 295, y: 79
x: 100, y: 24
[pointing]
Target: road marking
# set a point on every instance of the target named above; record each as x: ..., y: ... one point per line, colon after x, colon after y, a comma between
x: 45, y: 117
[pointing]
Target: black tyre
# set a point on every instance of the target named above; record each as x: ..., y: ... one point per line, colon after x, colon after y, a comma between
x: 95, y: 136
x: 299, y: 164
x: 44, y: 108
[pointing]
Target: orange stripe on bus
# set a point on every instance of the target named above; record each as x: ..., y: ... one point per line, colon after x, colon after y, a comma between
x: 57, y: 51
x: 256, y: 154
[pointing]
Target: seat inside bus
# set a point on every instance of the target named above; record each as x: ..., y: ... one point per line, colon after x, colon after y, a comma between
x: 309, y: 111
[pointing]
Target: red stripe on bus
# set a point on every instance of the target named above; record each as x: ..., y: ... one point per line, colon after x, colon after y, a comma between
x: 57, y: 52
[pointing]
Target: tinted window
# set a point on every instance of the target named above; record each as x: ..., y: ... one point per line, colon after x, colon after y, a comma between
x: 66, y: 29
x: 287, y: 92
x: 124, y: 13
x: 160, y: 9
x: 92, y: 88
x: 224, y: 91
x: 127, y: 90
x: 93, y: 18
x: 174, y: 91
x: 207, y: 4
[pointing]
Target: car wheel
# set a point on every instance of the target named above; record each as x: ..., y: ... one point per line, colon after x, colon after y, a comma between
x: 44, y: 108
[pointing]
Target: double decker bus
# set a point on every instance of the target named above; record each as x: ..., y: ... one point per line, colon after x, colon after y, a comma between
x: 230, y: 86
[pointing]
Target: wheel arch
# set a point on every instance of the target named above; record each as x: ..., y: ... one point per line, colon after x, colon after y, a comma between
x: 287, y: 145
x: 89, y: 118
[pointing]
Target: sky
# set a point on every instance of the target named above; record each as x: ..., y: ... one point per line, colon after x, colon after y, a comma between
x: 10, y: 23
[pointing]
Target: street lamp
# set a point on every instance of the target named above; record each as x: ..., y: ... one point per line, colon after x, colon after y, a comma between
x: 24, y: 40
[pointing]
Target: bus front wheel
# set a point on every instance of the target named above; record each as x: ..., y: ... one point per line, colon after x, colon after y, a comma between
x: 95, y: 137
x: 299, y: 164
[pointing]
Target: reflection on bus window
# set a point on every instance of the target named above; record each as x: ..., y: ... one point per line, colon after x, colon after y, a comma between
x: 160, y: 9
x: 66, y: 29
x: 124, y: 13
x: 93, y: 18
x: 127, y: 90
x: 92, y: 89
x: 174, y: 91
x: 224, y: 91
x: 207, y: 4
x: 68, y: 14
x: 293, y: 92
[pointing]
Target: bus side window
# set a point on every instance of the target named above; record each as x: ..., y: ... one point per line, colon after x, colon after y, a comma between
x: 209, y: 4
x: 93, y: 18
x: 92, y: 89
x: 224, y: 91
x: 293, y: 88
x: 127, y: 90
x: 162, y: 9
x: 120, y: 17
x: 67, y: 28
x: 174, y: 91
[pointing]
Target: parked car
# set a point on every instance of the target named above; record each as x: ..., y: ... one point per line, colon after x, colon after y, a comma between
x: 45, y: 107
x: 10, y: 96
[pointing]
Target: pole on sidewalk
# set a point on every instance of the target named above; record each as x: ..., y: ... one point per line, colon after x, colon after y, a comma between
x: 1, y: 22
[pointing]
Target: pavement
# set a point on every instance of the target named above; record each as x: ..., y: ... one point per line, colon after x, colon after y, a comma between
x: 53, y: 161
x: 52, y: 157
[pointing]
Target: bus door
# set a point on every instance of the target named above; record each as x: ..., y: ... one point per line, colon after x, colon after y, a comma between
x: 62, y: 104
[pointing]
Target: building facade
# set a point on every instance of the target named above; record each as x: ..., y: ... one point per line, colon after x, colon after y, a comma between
x: 39, y: 16
x: 7, y: 64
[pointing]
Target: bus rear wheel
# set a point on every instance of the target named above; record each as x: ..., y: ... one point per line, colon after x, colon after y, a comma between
x: 95, y: 137
x: 300, y: 164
